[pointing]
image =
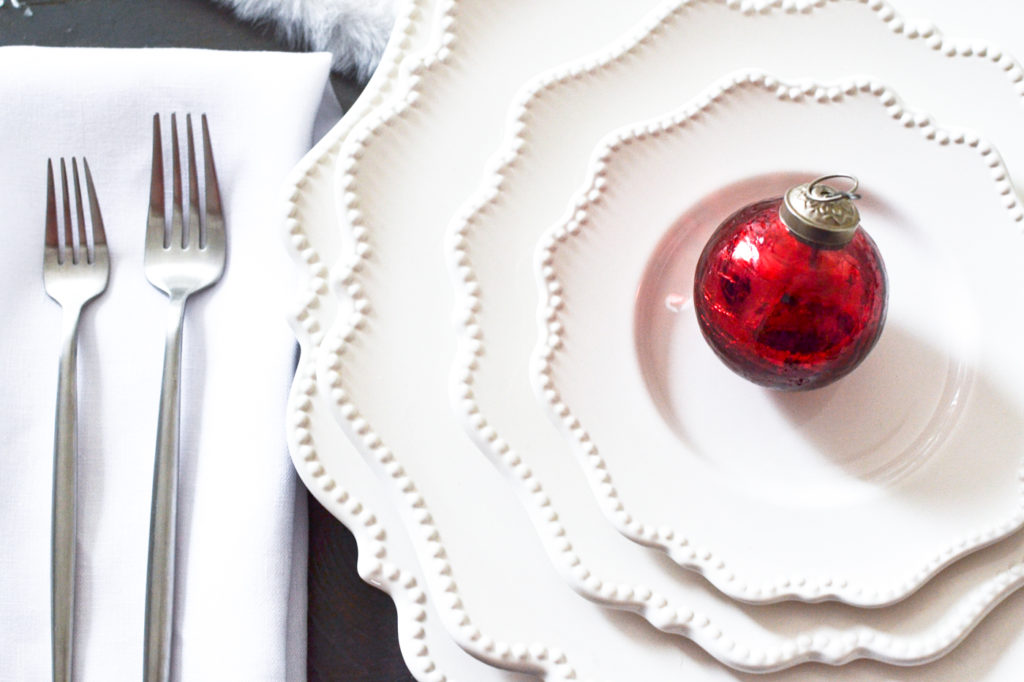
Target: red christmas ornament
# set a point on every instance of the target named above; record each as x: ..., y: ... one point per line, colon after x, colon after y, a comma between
x: 791, y: 292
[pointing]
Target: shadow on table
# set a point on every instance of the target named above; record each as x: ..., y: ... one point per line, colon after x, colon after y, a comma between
x: 352, y: 627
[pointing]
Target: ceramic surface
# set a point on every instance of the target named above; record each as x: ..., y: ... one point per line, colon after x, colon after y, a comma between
x: 515, y: 562
x: 568, y: 111
x: 860, y: 491
x: 349, y: 490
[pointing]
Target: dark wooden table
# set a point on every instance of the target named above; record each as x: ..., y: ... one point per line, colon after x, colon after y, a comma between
x: 351, y: 627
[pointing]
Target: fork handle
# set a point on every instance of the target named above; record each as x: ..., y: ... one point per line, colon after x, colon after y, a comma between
x: 65, y: 493
x: 163, y: 514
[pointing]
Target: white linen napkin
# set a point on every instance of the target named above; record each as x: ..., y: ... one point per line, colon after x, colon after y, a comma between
x: 240, y: 609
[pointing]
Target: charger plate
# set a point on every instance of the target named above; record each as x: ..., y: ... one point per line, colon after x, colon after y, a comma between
x: 358, y: 426
x: 349, y: 490
x: 520, y: 574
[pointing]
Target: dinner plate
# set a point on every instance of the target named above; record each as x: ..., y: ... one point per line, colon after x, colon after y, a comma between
x: 570, y: 110
x: 862, y: 490
x: 407, y: 365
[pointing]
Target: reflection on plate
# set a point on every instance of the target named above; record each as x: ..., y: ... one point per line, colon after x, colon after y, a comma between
x: 807, y: 449
x: 859, y: 491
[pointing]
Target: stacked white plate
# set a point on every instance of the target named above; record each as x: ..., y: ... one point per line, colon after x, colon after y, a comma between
x: 545, y: 467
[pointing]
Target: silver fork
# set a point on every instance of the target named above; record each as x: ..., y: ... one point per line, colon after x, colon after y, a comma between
x: 180, y: 259
x: 73, y: 275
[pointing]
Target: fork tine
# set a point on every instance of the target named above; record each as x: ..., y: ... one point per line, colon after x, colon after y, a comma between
x: 155, y: 225
x: 99, y: 235
x: 52, y: 238
x: 194, y: 231
x: 83, y: 243
x: 69, y: 243
x: 177, y: 229
x: 214, y: 210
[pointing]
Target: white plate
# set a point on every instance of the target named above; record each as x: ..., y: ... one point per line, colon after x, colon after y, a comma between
x: 559, y: 120
x: 860, y: 491
x: 399, y: 389
x: 349, y: 490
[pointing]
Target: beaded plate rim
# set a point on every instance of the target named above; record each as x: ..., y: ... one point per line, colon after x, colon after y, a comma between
x: 651, y: 605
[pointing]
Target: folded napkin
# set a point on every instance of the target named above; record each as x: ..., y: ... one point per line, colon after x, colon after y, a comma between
x: 240, y: 607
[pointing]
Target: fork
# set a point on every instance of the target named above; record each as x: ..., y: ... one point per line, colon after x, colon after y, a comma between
x: 73, y: 275
x: 181, y: 258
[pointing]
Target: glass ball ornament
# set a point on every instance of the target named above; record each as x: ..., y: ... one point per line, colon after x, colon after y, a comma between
x: 791, y: 292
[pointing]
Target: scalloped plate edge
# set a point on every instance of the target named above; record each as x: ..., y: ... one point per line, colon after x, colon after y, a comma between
x: 468, y: 300
x: 550, y: 332
x: 307, y: 322
x: 845, y: 646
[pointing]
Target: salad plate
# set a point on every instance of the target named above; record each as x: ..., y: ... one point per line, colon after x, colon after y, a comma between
x: 862, y: 490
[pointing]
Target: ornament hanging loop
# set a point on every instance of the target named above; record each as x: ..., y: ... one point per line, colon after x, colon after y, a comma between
x: 826, y: 194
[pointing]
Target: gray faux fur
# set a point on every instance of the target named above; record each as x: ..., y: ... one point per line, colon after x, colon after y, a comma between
x: 355, y: 31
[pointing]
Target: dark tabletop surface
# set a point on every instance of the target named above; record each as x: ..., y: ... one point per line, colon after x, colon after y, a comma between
x: 351, y: 626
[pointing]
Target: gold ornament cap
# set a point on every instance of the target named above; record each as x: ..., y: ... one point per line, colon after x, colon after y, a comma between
x: 820, y: 214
